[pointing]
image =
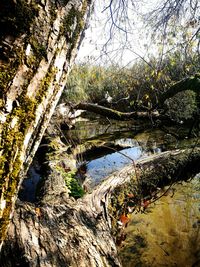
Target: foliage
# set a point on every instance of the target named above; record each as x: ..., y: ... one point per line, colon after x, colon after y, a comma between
x: 56, y: 155
x: 183, y: 105
x: 75, y: 188
x: 141, y: 84
x: 90, y: 83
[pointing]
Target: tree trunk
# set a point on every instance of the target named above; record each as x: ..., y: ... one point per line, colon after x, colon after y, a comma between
x: 60, y: 231
x: 38, y: 43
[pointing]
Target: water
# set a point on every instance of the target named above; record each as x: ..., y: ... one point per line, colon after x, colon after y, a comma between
x: 106, y: 148
x: 99, y: 168
x: 29, y: 185
x: 98, y: 128
x: 169, y: 233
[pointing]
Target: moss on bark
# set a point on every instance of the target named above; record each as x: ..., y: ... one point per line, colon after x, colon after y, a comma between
x: 21, y: 20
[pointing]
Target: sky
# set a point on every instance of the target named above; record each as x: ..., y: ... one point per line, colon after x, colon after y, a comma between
x: 118, y: 50
x: 123, y: 49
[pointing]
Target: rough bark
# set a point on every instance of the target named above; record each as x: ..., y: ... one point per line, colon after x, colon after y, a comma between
x: 64, y: 232
x: 38, y: 43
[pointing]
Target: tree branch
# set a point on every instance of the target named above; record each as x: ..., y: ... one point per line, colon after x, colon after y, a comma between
x: 114, y: 114
x: 191, y: 83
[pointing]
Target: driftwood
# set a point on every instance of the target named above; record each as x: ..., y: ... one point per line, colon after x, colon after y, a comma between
x: 59, y: 231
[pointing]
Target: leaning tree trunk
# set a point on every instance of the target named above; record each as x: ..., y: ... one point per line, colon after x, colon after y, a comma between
x: 38, y: 43
x: 60, y: 231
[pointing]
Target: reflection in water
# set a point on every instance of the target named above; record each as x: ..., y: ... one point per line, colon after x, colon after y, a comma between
x: 90, y: 129
x: 169, y: 234
x: 95, y: 141
x: 102, y: 167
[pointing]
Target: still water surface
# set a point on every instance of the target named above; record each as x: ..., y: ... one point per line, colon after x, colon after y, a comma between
x: 168, y: 234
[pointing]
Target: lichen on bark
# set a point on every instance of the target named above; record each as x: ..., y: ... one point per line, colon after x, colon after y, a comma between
x: 35, y: 59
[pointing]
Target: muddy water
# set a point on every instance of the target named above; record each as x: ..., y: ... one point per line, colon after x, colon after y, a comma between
x: 168, y: 234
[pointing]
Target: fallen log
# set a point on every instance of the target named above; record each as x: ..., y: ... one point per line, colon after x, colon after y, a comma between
x: 190, y: 83
x: 59, y: 231
x: 114, y: 114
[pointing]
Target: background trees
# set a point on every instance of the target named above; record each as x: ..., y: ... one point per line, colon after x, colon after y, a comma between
x: 169, y: 33
x: 137, y: 87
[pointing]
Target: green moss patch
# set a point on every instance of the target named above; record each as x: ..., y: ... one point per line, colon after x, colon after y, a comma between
x: 75, y: 188
x: 72, y: 184
x: 11, y: 144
